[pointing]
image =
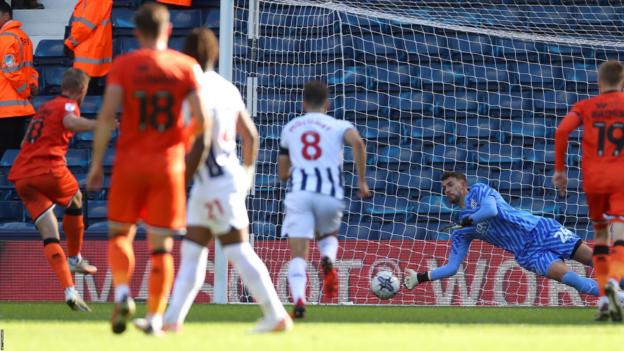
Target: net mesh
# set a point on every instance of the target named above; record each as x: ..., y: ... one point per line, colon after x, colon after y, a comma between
x: 473, y: 86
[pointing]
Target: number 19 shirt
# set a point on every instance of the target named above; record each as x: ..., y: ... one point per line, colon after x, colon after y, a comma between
x: 155, y: 83
x: 315, y: 142
x: 602, y: 118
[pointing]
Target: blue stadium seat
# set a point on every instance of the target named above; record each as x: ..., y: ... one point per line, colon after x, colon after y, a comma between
x: 581, y: 76
x: 267, y: 157
x: 437, y: 77
x: 98, y: 227
x: 109, y: 159
x: 50, y: 80
x: 400, y: 231
x: 565, y: 53
x: 381, y: 131
x: 574, y: 180
x: 96, y: 211
x: 418, y: 182
x: 205, y: 3
x: 91, y: 106
x: 17, y: 227
x: 379, y: 180
x: 493, y: 76
x: 176, y: 43
x: 11, y: 211
x: 123, y: 21
x: 515, y: 182
x: 607, y: 18
x: 211, y: 18
x: 283, y: 48
x: 264, y: 209
x: 185, y: 19
x: 359, y: 231
x: 50, y: 52
x: 365, y: 105
x: 396, y: 157
x: 269, y: 132
x: 546, y: 16
x: 127, y: 45
x: 266, y: 182
x: 469, y: 47
x: 432, y: 209
x: 78, y: 160
x: 428, y: 129
x: 272, y: 105
x: 293, y: 75
x: 424, y: 47
x: 518, y: 50
x: 126, y: 3
x: 529, y: 131
x: 375, y: 47
x: 387, y: 208
x: 350, y: 78
x: 459, y: 104
x: 575, y: 205
x: 264, y: 230
x: 536, y: 75
x: 392, y: 77
x: 448, y: 157
x: 412, y: 105
x: 506, y: 105
x: 7, y: 160
x: 364, y: 24
x: 38, y: 101
x: 297, y: 20
x: 7, y: 190
x: 550, y: 103
x: 475, y: 130
x: 504, y: 156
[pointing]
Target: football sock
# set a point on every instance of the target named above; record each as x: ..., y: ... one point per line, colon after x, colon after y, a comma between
x: 601, y: 265
x: 160, y: 280
x: 56, y: 259
x: 256, y: 278
x: 582, y: 284
x: 73, y: 227
x: 616, y: 268
x: 121, y: 259
x: 328, y: 247
x: 189, y: 280
x: 297, y: 278
x: 121, y: 291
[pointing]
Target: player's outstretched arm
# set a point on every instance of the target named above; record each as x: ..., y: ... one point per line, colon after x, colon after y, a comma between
x: 487, y: 210
x: 353, y: 139
x: 246, y: 128
x: 570, y: 122
x: 78, y: 124
x: 283, y: 165
x: 105, y: 123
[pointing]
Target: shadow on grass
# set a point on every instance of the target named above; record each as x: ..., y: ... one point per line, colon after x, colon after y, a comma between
x: 47, y: 311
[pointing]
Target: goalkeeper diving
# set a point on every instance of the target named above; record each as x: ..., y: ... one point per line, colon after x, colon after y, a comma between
x: 538, y: 244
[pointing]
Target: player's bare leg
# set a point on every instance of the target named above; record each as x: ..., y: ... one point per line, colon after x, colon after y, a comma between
x: 297, y: 277
x: 121, y: 258
x: 160, y: 281
x: 190, y: 277
x: 47, y: 225
x: 328, y: 248
x: 73, y: 227
x: 256, y: 278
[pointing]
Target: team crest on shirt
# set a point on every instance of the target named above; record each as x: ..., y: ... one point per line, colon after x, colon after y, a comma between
x: 8, y: 60
x: 69, y: 107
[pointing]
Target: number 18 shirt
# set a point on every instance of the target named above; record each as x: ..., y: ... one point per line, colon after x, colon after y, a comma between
x: 602, y: 118
x: 315, y: 143
x: 155, y: 83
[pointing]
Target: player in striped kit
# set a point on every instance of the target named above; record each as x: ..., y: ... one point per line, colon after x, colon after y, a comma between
x: 311, y: 156
x: 216, y: 205
x: 538, y: 244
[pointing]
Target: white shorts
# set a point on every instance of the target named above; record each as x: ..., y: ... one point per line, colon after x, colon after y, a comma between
x: 218, y: 207
x: 308, y: 212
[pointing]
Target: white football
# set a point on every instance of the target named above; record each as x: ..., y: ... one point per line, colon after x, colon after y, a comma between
x: 385, y: 285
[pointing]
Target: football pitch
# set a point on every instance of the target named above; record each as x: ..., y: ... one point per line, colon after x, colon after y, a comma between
x: 52, y: 326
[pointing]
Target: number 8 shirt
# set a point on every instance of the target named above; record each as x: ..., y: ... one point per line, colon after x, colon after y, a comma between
x: 602, y: 118
x: 148, y: 174
x: 314, y: 143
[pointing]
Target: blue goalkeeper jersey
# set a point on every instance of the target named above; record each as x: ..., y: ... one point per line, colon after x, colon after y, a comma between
x: 510, y: 229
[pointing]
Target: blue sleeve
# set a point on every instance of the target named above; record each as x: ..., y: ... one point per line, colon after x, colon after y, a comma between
x: 459, y: 250
x: 487, y: 209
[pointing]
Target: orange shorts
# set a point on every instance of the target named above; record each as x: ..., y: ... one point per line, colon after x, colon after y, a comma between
x: 602, y: 206
x: 158, y: 199
x: 40, y: 193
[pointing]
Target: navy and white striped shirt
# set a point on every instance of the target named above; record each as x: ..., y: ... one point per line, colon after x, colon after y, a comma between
x: 315, y: 145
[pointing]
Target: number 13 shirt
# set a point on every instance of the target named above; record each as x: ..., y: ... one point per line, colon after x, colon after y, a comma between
x: 315, y: 142
x: 602, y: 118
x: 155, y: 83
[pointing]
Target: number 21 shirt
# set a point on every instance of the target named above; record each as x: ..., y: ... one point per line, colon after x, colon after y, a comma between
x: 315, y: 142
x: 155, y: 83
x: 602, y: 118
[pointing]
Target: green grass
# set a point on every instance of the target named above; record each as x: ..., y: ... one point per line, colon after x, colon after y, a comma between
x: 51, y: 326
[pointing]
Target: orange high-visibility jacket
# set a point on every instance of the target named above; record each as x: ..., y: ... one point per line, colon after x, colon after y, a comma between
x: 18, y: 72
x: 176, y: 2
x: 91, y: 36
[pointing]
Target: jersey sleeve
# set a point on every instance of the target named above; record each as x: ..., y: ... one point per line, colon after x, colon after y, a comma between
x: 460, y: 243
x: 343, y: 126
x: 194, y: 78
x: 284, y: 141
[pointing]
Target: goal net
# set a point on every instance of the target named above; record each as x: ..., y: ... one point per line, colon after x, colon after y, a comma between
x: 475, y: 86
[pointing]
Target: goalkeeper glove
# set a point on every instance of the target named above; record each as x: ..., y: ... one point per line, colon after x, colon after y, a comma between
x: 466, y: 222
x: 413, y: 278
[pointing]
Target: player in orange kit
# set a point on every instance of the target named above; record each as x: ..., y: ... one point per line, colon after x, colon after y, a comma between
x: 602, y: 118
x: 42, y: 180
x: 148, y: 182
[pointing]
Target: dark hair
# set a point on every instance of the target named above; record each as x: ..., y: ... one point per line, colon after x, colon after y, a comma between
x: 315, y: 93
x: 202, y: 44
x: 74, y: 80
x: 456, y: 175
x: 611, y: 73
x: 4, y: 8
x: 151, y: 18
